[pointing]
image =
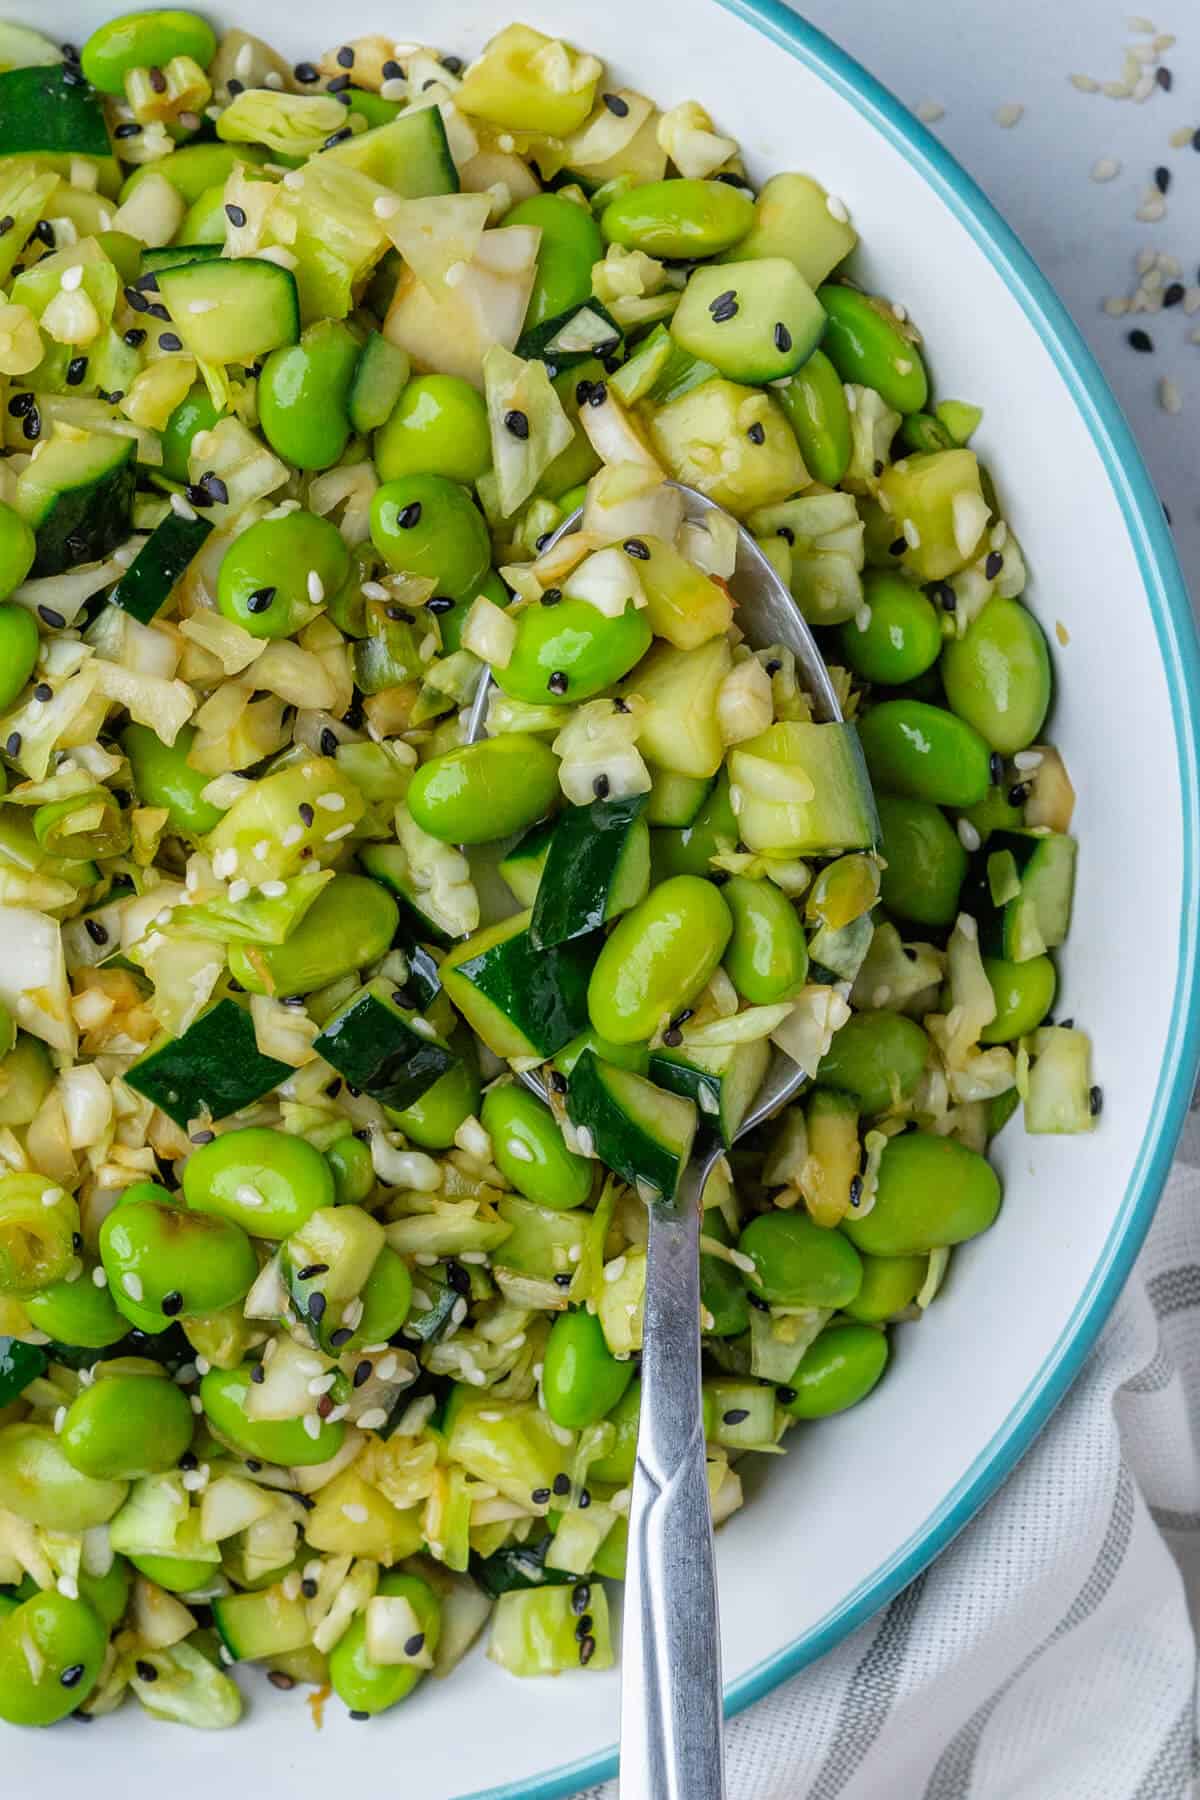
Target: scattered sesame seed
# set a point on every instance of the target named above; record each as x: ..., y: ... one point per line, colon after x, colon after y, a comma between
x: 1107, y: 168
x: 133, y: 1287
x: 1169, y: 397
x: 929, y: 111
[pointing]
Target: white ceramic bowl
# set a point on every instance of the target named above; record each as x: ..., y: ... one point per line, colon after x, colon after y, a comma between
x: 863, y: 1502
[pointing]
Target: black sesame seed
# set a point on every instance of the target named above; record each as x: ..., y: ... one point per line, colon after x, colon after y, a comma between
x: 944, y: 596
x: 95, y: 931
x: 583, y: 392
x: 598, y: 395
x: 306, y: 73
x: 111, y: 396
x: 552, y: 596
x: 540, y: 1495
x: 540, y: 543
x: 329, y: 742
x: 635, y: 547
x: 585, y: 1500
x: 128, y: 130
x: 312, y: 1270
x: 217, y: 490
x: 189, y: 1460
x: 1162, y: 178
x: 338, y: 137
x: 360, y: 1718
x: 235, y: 214
x: 392, y: 71
x: 619, y: 705
x: 517, y: 423
x: 756, y: 433
x: 458, y: 1278
x: 601, y: 787
x: 996, y: 768
x: 235, y: 87
x: 727, y: 297
x: 562, y: 1485
x: 440, y: 603
x: 453, y: 64
x: 306, y: 812
x: 426, y: 85
x: 258, y: 1374
x: 6, y: 224
x: 159, y: 312
x: 1140, y: 340
x: 785, y: 1395
x: 415, y: 1644
x: 146, y: 1671
x: 341, y: 1338
x: 12, y: 745
x: 1095, y: 1101
x: 856, y: 1188
x: 277, y: 1678
x: 306, y: 1501
x: 585, y: 1627
x: 345, y: 57
x: 409, y: 516
x: 618, y: 107
x: 31, y: 426
x: 43, y: 231
x: 1018, y: 794
x: 158, y: 81
x: 308, y: 1588
x: 73, y: 1676
x: 783, y: 338
x: 260, y: 599
x: 76, y: 370
x: 773, y: 666
x: 316, y: 1307
x: 898, y: 546
x: 757, y: 1302
x: 169, y: 340
x: 1164, y: 79
x: 673, y: 1037
x: 787, y: 534
x: 993, y: 565
x: 736, y: 1415
x: 172, y: 1304
x: 563, y: 1281
x: 877, y: 468
x: 196, y: 495
x: 338, y: 85
x: 581, y: 1598
x: 587, y: 1649
x: 558, y: 1082
x: 1173, y: 293
x: 203, y: 1137
x: 362, y: 1374
x: 557, y: 682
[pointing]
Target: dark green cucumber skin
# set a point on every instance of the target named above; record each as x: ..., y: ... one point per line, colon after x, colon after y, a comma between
x: 374, y: 1049
x: 86, y: 524
x: 216, y: 1067
x: 585, y: 853
x: 424, y: 983
x: 994, y: 921
x: 543, y: 992
x: 519, y: 1566
x: 620, y: 1144
x: 147, y: 582
x: 171, y: 256
x: 19, y: 1365
x: 681, y: 1077
x: 41, y: 110
x: 532, y: 343
x: 428, y: 1327
x: 384, y: 863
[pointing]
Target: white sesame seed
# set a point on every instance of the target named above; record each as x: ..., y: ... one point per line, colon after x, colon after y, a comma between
x: 912, y: 535
x: 312, y: 1426
x: 51, y: 1196
x: 292, y: 835
x: 316, y: 587
x: 1116, y: 307
x: 373, y: 1419
x: 387, y: 1367
x: 836, y: 209
x: 929, y: 111
x: 193, y: 1480
x: 68, y: 1587
x: 1116, y: 90
x: 1143, y: 88
x: 862, y: 618
x: 60, y: 1419
x: 243, y: 62
x: 392, y: 89
x: 1084, y: 83
x: 518, y: 1151
x: 425, y: 1259
x: 575, y: 1253
x: 353, y: 1315
x: 321, y: 1384
x: 374, y: 590
x: 472, y: 1256
x: 1153, y: 207
x: 273, y: 890
x: 1169, y: 397
x: 458, y: 1311
x: 851, y: 397
x: 1106, y: 169
x: 490, y: 1417
x: 968, y: 837
x: 273, y: 79
x: 99, y: 1276
x: 1180, y: 137
x: 248, y: 1195
x: 1028, y: 759
x: 1009, y: 114
x: 262, y: 850
x: 224, y: 862
x: 356, y: 1514
x: 133, y: 1287
x: 902, y: 365
x: 332, y: 802
x: 882, y: 994
x: 202, y: 306
x: 196, y: 1404
x: 179, y: 505
x: 238, y: 890
x: 386, y: 206
x: 585, y: 1141
x: 202, y: 1365
x: 71, y: 278
x: 331, y: 837
x: 614, y: 1270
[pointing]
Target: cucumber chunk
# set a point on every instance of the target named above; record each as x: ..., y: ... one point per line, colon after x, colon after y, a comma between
x: 232, y: 310
x: 42, y: 110
x: 214, y: 1069
x: 522, y: 1001
x: 146, y: 584
x: 78, y: 496
x: 597, y: 865
x: 642, y: 1132
x: 378, y: 1047
x: 753, y: 321
x: 722, y: 1080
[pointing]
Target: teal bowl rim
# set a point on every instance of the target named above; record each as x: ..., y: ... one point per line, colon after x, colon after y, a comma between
x: 1175, y: 627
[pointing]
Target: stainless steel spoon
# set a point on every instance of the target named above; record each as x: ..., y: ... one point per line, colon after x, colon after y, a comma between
x: 672, y: 1744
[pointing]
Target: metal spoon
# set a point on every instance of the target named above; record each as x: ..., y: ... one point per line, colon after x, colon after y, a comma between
x: 672, y: 1744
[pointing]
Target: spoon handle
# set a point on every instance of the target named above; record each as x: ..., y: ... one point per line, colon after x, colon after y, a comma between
x: 671, y: 1716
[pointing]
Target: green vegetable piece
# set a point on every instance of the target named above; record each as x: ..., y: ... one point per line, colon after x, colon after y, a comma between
x: 57, y: 1637
x: 799, y: 1263
x: 879, y: 1057
x: 353, y: 1171
x: 215, y: 1068
x: 1024, y: 995
x: 618, y: 1463
x: 267, y: 1182
x: 439, y: 427
x: 178, y: 1574
x: 40, y: 1485
x: 38, y: 1222
x: 384, y: 1047
x: 369, y: 1687
x: 144, y: 40
x: 427, y: 525
x: 581, y: 1379
x: 77, y: 1313
x: 753, y: 321
x: 926, y: 862
x: 658, y: 958
x: 889, y: 1284
x: 20, y: 1364
x: 922, y: 751
x: 195, y: 413
x: 837, y: 1371
x: 163, y: 776
x: 304, y: 394
x: 522, y: 1001
x: 530, y: 1151
x: 932, y: 1192
x: 26, y: 1077
x: 900, y: 636
x: 205, y: 219
x: 997, y: 675
x: 163, y: 1262
x: 432, y: 1120
x: 814, y: 403
x: 960, y: 418
x: 571, y: 651
x: 597, y: 866
x: 678, y: 218
x: 17, y: 550
x: 107, y: 1594
x: 125, y: 1426
x: 274, y: 575
x: 479, y: 792
x: 767, y: 956
x: 146, y: 585
x: 351, y: 923
x: 722, y: 1290
x: 380, y: 376
x: 285, y: 1441
x: 867, y: 344
x: 386, y: 1298
x: 690, y: 850
x: 570, y: 244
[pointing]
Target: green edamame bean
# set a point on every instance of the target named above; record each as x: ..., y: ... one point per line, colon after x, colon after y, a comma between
x: 689, y: 851
x: 429, y: 526
x: 204, y: 222
x: 484, y: 791
x: 196, y: 167
x: 997, y: 675
x: 144, y: 40
x: 38, y: 1222
x: 351, y: 923
x: 266, y: 580
x: 451, y: 623
x: 926, y: 862
x: 678, y: 218
x: 125, y: 1426
x: 722, y: 1290
x: 268, y: 1182
x: 570, y: 244
x: 78, y: 1313
x: 581, y: 1379
x: 879, y: 1057
x: 889, y: 1284
x: 866, y: 344
x: 40, y: 1484
x: 814, y: 403
x: 386, y: 1298
x: 194, y: 413
x: 625, y: 1056
x: 353, y: 1171
x: 178, y: 1574
x: 530, y: 1151
x: 1024, y: 995
x: 439, y: 427
x: 618, y: 1463
x: 303, y: 395
x: 920, y: 750
x: 17, y: 551
x: 163, y: 777
x: 575, y: 647
x: 932, y: 1191
x: 767, y: 957
x: 56, y: 1637
x: 432, y: 1121
x: 108, y: 1594
x: 837, y: 1370
x: 658, y: 958
x: 284, y: 1441
x: 901, y: 634
x: 368, y: 1687
x: 154, y: 1254
x: 799, y: 1263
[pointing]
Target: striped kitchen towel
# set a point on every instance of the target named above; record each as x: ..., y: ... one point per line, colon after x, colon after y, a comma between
x: 1050, y: 1653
